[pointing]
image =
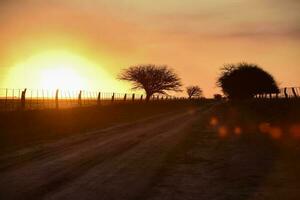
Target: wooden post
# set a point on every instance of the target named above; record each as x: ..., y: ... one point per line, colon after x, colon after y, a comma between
x: 56, y: 99
x: 125, y: 97
x: 113, y: 97
x: 37, y: 98
x: 23, y: 99
x: 80, y: 98
x: 141, y: 98
x: 294, y: 92
x: 30, y: 105
x: 43, y: 98
x: 133, y: 97
x: 6, y: 92
x: 99, y: 98
x: 285, y: 93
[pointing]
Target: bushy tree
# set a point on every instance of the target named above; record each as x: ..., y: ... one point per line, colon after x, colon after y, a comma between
x: 244, y: 80
x: 194, y: 91
x: 218, y: 97
x: 152, y: 78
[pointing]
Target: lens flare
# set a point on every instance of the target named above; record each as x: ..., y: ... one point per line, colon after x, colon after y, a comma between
x: 214, y: 121
x: 295, y: 131
x: 222, y: 132
x: 264, y: 127
x: 237, y: 130
x: 275, y: 132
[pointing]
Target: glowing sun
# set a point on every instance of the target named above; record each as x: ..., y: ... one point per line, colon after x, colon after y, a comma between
x: 61, y: 69
x: 56, y: 69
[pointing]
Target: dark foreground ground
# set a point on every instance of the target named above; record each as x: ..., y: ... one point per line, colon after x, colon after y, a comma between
x: 244, y: 150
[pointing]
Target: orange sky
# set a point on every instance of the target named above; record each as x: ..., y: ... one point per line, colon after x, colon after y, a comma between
x: 194, y: 37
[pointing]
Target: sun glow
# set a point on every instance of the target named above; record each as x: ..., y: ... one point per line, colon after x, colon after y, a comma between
x: 60, y: 69
x: 62, y: 78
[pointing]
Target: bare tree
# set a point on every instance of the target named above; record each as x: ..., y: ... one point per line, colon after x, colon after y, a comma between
x: 152, y: 78
x: 194, y: 91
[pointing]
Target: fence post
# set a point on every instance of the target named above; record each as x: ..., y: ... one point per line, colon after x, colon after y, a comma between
x: 113, y: 97
x: 6, y: 92
x: 37, y: 98
x: 12, y: 99
x: 43, y: 98
x: 125, y: 97
x: 141, y: 98
x: 56, y: 99
x: 99, y: 98
x: 80, y: 98
x: 133, y: 97
x: 30, y: 105
x: 285, y: 93
x: 294, y: 92
x: 23, y: 99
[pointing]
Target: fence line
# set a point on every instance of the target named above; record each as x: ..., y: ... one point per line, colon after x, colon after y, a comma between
x: 287, y: 93
x: 31, y: 99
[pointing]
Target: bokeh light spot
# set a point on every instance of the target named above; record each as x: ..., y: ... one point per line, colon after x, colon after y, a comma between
x: 295, y: 131
x: 214, y: 121
x: 275, y: 132
x: 237, y: 130
x: 264, y: 127
x: 222, y: 132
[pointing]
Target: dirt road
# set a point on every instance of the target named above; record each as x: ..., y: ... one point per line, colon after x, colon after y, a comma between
x: 119, y: 162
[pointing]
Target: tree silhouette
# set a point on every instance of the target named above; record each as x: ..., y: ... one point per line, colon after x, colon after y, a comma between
x: 218, y: 97
x: 194, y: 91
x: 152, y: 78
x: 243, y: 80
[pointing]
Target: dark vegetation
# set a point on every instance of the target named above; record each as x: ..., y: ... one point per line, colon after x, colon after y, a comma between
x: 218, y: 97
x: 244, y: 81
x: 194, y: 91
x: 237, y: 81
x: 152, y: 78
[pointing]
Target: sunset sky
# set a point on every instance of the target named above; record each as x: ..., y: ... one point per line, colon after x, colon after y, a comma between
x: 41, y: 41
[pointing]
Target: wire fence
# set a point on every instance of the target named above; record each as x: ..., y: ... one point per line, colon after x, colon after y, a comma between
x: 286, y: 93
x: 34, y: 99
x: 30, y: 99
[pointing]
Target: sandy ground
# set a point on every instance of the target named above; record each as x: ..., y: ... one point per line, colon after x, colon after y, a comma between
x: 170, y: 156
